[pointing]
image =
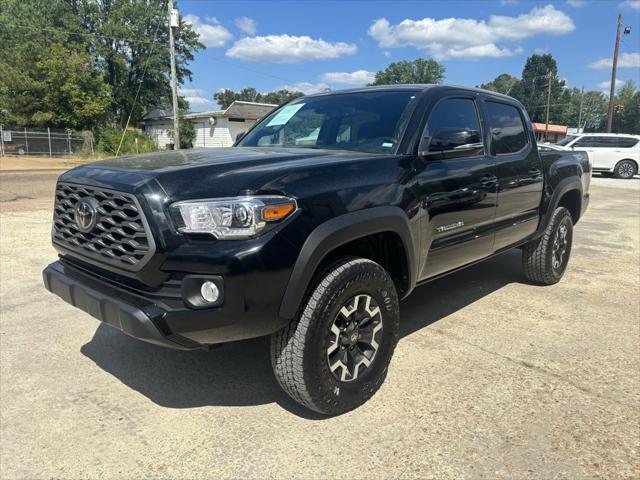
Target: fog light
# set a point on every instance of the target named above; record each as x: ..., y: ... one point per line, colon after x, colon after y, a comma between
x: 209, y: 291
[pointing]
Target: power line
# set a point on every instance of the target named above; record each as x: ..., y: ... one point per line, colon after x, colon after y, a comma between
x: 83, y: 34
x: 135, y: 99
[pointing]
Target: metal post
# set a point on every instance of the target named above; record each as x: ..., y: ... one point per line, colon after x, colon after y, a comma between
x: 581, y: 105
x: 91, y: 142
x: 1, y: 141
x: 26, y: 140
x: 546, y: 127
x: 612, y: 92
x: 69, y: 140
x: 173, y: 20
x: 49, y: 137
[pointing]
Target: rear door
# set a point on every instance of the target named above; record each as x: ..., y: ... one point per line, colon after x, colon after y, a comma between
x: 519, y: 171
x: 601, y: 150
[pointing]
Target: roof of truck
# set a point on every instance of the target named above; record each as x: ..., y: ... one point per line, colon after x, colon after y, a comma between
x: 418, y: 87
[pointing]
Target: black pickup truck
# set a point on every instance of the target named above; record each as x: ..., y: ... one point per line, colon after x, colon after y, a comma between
x: 313, y: 226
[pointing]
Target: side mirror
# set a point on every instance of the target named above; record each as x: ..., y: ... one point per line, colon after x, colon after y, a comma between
x: 451, y: 143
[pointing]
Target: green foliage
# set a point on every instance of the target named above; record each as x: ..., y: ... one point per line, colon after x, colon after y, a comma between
x: 187, y: 132
x: 417, y: 71
x: 534, y: 85
x: 278, y: 97
x: 626, y: 117
x: 79, y: 63
x: 504, y: 83
x: 109, y: 139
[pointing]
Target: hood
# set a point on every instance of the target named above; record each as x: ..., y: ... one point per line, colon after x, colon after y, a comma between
x: 213, y: 172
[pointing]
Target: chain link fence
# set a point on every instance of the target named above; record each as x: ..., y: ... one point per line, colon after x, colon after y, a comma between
x: 49, y: 142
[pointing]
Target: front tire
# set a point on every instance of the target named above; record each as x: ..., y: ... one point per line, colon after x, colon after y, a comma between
x: 545, y: 259
x: 625, y: 169
x: 335, y: 355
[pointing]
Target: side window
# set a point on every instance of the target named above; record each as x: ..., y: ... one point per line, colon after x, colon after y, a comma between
x: 605, y: 142
x: 627, y: 142
x: 585, y: 142
x: 507, y: 130
x: 454, y: 123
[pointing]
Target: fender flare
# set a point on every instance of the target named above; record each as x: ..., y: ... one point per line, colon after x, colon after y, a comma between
x: 339, y: 231
x: 564, y: 186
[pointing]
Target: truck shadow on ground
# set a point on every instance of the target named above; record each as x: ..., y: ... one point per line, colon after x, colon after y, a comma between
x: 239, y: 373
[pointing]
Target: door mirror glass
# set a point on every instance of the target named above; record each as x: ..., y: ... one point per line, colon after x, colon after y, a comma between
x: 452, y: 131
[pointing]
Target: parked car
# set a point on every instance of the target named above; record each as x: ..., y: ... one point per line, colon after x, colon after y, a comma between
x: 315, y: 244
x: 610, y: 153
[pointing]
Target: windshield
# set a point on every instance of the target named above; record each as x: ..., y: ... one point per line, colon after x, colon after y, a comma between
x: 370, y: 122
x: 566, y: 140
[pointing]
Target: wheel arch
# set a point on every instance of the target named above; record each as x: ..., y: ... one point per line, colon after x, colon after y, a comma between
x: 332, y: 240
x: 570, y: 192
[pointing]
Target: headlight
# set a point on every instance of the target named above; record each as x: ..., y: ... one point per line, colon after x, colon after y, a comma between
x: 231, y: 218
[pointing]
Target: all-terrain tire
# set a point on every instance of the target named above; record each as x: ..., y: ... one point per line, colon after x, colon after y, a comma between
x: 300, y: 351
x: 542, y: 260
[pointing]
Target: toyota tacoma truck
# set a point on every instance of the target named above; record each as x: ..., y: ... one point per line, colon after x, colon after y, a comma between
x: 313, y: 226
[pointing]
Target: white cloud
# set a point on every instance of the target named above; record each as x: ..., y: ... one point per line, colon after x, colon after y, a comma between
x: 306, y: 87
x: 625, y: 60
x: 606, y: 85
x: 509, y: 2
x: 359, y: 77
x: 212, y: 33
x: 634, y: 4
x: 470, y: 38
x: 247, y: 25
x: 288, y: 49
x: 194, y: 96
x: 386, y: 53
x: 576, y: 3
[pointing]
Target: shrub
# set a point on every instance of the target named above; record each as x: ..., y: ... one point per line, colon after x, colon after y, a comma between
x: 109, y: 139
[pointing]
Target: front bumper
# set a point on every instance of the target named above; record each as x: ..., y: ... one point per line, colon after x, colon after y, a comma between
x: 129, y: 313
x: 153, y: 318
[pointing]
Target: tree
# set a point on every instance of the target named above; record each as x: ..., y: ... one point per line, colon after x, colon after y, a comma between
x: 133, y: 54
x: 88, y: 58
x: 627, y: 114
x: 503, y: 83
x: 417, y: 71
x: 227, y: 96
x: 532, y: 91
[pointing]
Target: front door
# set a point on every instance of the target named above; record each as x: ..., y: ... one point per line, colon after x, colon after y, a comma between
x: 458, y: 194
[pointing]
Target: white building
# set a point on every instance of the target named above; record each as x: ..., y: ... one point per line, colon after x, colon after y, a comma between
x: 213, y: 129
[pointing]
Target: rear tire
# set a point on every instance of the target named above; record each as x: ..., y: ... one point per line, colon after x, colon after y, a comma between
x: 335, y: 355
x: 545, y: 259
x: 625, y: 169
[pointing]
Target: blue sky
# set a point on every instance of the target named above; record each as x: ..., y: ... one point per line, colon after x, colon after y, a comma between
x: 314, y: 45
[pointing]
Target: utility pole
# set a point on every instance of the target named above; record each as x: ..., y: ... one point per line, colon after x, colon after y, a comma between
x: 614, y: 67
x: 173, y: 22
x: 546, y: 127
x: 580, y: 112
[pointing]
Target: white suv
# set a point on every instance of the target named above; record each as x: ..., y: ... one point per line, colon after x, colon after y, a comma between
x: 609, y: 152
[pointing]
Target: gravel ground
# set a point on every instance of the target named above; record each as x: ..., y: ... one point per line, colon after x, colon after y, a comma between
x: 493, y: 377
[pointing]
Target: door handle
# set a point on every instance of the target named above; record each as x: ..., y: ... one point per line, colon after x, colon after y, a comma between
x: 534, y: 172
x: 488, y: 181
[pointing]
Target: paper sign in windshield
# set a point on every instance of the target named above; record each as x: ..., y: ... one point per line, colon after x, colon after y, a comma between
x: 285, y: 114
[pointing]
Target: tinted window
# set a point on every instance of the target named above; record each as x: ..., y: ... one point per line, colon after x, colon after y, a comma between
x: 605, y: 142
x: 585, y: 142
x: 625, y: 142
x: 368, y: 122
x: 507, y: 130
x: 453, y: 122
x: 568, y: 139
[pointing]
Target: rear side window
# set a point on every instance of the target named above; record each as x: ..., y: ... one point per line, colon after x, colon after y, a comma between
x: 507, y: 129
x: 625, y: 142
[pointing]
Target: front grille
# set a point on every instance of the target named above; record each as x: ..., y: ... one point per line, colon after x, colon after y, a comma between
x: 119, y: 236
